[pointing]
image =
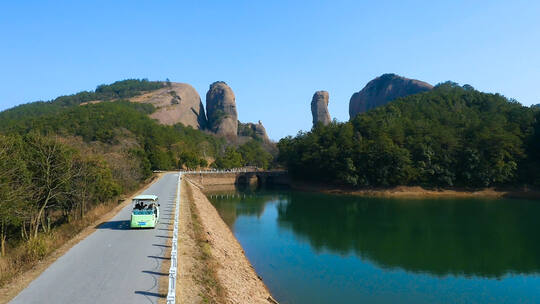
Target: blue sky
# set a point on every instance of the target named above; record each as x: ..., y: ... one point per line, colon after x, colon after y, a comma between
x: 274, y: 54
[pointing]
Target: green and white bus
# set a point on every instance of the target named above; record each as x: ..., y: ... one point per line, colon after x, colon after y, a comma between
x: 145, y: 213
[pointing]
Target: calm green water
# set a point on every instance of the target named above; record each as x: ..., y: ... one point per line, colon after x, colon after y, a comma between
x: 316, y: 248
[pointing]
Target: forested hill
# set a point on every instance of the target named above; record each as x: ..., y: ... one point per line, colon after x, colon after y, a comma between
x: 450, y: 136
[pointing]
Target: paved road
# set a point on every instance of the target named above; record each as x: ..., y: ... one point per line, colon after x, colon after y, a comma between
x: 112, y: 265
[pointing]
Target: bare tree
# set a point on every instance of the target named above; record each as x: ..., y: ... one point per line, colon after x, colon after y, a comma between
x: 53, y: 168
x: 13, y: 188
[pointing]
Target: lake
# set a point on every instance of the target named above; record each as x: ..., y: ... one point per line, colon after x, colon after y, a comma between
x: 319, y: 248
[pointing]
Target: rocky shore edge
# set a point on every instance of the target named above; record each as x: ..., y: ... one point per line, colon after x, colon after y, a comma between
x: 419, y: 192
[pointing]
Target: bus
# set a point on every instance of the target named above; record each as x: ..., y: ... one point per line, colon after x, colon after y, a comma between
x: 145, y: 212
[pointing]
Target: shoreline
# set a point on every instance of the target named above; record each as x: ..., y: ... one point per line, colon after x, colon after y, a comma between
x: 213, y: 266
x: 418, y: 192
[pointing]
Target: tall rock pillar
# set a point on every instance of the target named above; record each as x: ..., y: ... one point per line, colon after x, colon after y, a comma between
x: 221, y: 110
x: 319, y: 108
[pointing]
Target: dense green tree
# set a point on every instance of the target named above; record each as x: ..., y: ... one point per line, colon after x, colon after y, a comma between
x: 530, y: 170
x: 253, y: 154
x: 230, y: 159
x: 191, y: 160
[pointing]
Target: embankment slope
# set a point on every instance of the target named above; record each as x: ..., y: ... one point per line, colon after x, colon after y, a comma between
x: 211, y: 246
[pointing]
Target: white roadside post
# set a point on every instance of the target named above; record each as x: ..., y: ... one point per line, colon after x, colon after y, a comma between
x: 171, y: 295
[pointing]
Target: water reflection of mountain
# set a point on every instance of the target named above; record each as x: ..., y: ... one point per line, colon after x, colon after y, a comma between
x: 461, y: 237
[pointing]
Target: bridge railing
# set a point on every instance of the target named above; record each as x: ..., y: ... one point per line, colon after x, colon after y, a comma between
x: 235, y: 170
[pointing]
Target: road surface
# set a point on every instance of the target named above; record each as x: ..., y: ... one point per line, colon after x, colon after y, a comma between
x: 114, y: 264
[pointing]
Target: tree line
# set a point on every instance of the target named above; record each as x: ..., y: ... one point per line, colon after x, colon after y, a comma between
x: 450, y: 136
x: 43, y: 182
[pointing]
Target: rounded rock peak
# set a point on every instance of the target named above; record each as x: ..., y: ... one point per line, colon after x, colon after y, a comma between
x: 321, y: 95
x: 176, y: 103
x: 383, y: 90
x: 220, y: 91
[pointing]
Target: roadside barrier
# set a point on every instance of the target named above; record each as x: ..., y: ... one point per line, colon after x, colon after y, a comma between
x: 171, y: 294
x: 234, y: 170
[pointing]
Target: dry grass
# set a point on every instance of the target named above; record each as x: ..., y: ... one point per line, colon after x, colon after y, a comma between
x: 207, y: 276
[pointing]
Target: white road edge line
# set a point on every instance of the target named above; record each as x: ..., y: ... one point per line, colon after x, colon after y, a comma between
x: 171, y: 295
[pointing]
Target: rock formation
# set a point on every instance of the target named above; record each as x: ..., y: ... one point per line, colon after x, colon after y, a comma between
x: 382, y: 90
x: 177, y: 103
x: 256, y: 131
x: 221, y: 110
x: 180, y: 103
x: 319, y: 108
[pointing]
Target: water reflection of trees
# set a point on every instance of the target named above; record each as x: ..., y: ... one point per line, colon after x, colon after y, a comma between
x: 231, y: 205
x: 489, y: 238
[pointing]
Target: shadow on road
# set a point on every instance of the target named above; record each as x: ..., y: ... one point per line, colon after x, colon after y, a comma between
x: 164, y: 236
x: 158, y: 257
x: 156, y: 273
x: 151, y: 294
x: 159, y: 245
x: 114, y: 225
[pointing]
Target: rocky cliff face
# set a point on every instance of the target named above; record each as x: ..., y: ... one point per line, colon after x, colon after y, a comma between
x: 256, y: 131
x: 319, y: 108
x: 382, y: 90
x: 221, y: 110
x: 177, y: 103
